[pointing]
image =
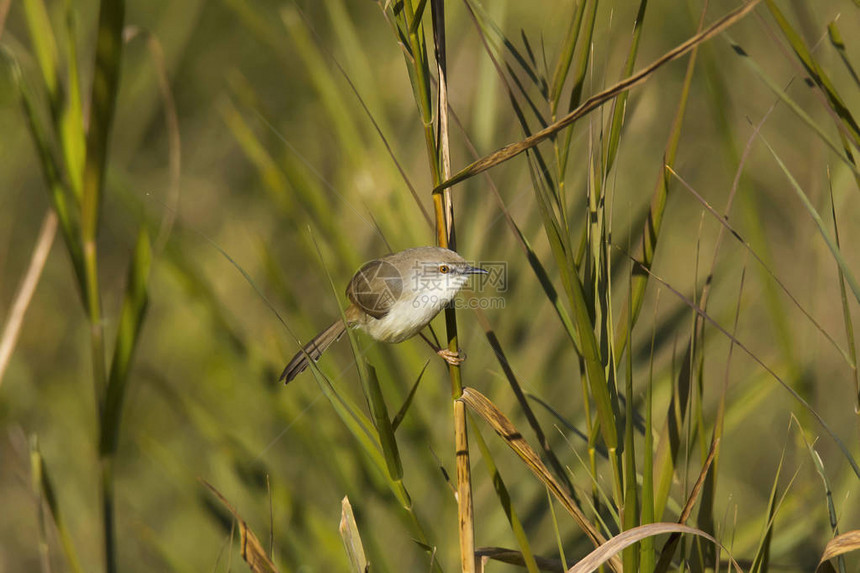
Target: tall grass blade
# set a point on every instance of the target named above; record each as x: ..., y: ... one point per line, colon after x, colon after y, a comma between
x: 654, y: 221
x: 620, y: 104
x: 512, y: 150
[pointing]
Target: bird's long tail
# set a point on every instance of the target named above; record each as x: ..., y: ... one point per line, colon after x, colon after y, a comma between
x: 313, y: 350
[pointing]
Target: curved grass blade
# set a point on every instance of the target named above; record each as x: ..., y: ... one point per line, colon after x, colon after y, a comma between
x: 603, y: 553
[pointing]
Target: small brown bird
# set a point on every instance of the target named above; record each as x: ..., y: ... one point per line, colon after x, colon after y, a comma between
x: 393, y: 298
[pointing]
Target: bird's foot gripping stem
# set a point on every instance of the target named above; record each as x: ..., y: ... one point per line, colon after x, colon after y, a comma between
x: 451, y: 357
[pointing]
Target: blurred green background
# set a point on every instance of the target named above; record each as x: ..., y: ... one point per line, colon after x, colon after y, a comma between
x: 279, y: 160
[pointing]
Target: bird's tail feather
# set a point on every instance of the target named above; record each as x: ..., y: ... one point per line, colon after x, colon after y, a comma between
x: 313, y: 350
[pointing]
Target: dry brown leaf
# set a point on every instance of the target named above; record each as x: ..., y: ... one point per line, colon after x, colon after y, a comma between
x: 252, y: 550
x: 839, y: 545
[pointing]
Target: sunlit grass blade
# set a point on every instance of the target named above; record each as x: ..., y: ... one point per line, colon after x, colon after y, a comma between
x: 352, y: 538
x: 45, y: 47
x: 479, y: 404
x: 128, y: 337
x: 252, y: 550
x: 630, y: 516
x: 67, y: 212
x: 562, y: 66
x: 71, y: 123
x: 834, y: 249
x: 648, y: 556
x: 44, y: 489
x: 603, y: 553
x: 102, y: 106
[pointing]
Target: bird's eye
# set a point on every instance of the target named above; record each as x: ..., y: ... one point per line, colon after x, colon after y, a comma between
x: 443, y: 269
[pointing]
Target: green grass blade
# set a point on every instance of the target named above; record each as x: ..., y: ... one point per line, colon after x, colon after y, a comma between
x: 102, y: 105
x: 654, y: 221
x: 127, y: 338
x: 846, y: 309
x: 71, y: 128
x: 834, y: 249
x: 620, y: 104
x: 58, y: 193
x: 798, y: 111
x: 383, y: 425
x: 562, y: 67
x: 44, y: 490
x: 45, y: 45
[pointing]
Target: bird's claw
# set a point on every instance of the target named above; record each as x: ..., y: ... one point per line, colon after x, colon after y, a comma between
x: 451, y: 357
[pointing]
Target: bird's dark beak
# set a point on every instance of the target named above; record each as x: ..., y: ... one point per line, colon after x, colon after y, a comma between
x: 475, y: 271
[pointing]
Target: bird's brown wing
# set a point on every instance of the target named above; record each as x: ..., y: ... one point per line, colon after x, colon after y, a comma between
x: 375, y: 288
